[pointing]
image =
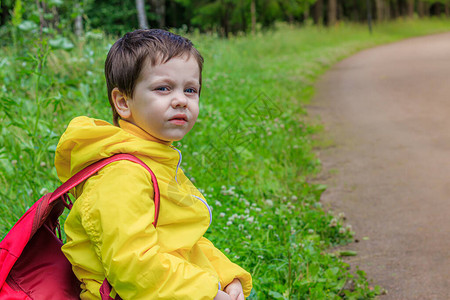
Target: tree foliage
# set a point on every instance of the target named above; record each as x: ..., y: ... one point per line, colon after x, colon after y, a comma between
x: 223, y: 17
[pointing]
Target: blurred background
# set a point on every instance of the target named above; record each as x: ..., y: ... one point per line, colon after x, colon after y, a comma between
x: 258, y: 53
x: 222, y: 17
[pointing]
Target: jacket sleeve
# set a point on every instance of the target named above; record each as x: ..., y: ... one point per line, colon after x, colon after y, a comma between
x: 226, y: 269
x: 117, y: 214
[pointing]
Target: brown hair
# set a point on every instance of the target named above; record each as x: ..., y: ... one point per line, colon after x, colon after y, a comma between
x: 128, y: 55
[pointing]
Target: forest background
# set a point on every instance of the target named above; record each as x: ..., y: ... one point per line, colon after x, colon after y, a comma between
x: 257, y: 163
x: 224, y: 17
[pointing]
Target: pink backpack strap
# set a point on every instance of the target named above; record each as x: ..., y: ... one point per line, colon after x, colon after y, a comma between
x: 105, y: 289
x: 95, y: 167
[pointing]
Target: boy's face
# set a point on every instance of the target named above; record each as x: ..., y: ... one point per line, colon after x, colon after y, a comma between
x: 166, y: 98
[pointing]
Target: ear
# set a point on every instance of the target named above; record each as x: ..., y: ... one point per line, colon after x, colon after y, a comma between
x: 121, y: 103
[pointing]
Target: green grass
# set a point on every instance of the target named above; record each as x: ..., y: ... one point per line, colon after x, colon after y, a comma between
x: 251, y: 151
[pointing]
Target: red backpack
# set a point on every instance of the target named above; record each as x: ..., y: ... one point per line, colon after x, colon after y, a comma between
x: 32, y: 265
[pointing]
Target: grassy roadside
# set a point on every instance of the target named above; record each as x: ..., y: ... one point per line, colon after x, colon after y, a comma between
x: 250, y: 152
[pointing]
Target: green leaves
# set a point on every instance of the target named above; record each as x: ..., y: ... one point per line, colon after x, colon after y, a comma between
x: 61, y: 42
x: 28, y: 26
x: 17, y: 13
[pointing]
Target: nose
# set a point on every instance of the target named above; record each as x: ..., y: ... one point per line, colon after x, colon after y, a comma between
x: 179, y: 99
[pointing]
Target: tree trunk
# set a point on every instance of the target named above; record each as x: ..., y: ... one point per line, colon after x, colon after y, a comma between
x: 380, y: 7
x: 318, y: 13
x: 4, y: 13
x: 410, y: 8
x: 395, y: 10
x: 142, y: 17
x: 78, y: 20
x: 332, y: 12
x: 447, y: 9
x: 387, y: 10
x: 160, y: 11
x: 420, y: 9
x: 253, y: 15
x: 225, y: 19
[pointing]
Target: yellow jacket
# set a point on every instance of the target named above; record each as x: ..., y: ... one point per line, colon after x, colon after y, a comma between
x: 109, y: 229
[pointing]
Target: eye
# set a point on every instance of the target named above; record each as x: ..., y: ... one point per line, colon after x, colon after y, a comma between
x: 190, y: 90
x: 162, y: 88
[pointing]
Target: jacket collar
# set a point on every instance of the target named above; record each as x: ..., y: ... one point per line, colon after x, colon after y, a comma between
x: 139, y: 132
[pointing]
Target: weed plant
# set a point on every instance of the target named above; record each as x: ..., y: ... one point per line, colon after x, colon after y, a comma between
x: 250, y: 152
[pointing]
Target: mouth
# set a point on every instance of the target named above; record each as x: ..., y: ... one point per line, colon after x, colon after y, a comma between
x: 179, y: 119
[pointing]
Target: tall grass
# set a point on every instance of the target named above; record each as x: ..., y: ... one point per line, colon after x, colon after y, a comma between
x: 250, y: 152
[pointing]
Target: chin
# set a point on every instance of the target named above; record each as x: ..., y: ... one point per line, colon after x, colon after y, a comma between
x: 176, y: 139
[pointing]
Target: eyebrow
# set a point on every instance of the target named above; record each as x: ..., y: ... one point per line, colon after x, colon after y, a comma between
x: 171, y: 81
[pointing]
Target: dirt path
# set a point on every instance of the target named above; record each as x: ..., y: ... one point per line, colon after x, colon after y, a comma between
x: 387, y: 111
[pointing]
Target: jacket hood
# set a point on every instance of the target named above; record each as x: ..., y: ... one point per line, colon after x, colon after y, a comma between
x: 87, y: 140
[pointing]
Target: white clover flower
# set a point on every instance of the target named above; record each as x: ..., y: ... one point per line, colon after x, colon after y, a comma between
x: 249, y: 237
x: 251, y: 219
x: 348, y: 227
x: 241, y: 226
x: 333, y: 222
x: 225, y: 228
x: 218, y: 203
x: 293, y: 245
x: 269, y: 202
x: 42, y: 164
x: 270, y: 227
x: 247, y: 211
x: 222, y: 215
x: 14, y: 162
x: 260, y: 257
x: 341, y: 216
x: 342, y: 230
x: 237, y: 257
x: 310, y: 231
x: 258, y: 209
x: 229, y: 223
x: 233, y: 216
x: 43, y: 191
x: 294, y: 198
x: 292, y: 231
x: 227, y: 250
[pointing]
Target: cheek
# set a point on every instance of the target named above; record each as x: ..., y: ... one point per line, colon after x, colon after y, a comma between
x: 195, y: 110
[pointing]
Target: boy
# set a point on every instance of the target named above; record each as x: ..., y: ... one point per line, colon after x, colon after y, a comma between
x: 154, y: 82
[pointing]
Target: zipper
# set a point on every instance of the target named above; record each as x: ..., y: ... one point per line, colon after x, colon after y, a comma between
x: 176, y: 179
x: 207, y: 206
x: 179, y: 162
